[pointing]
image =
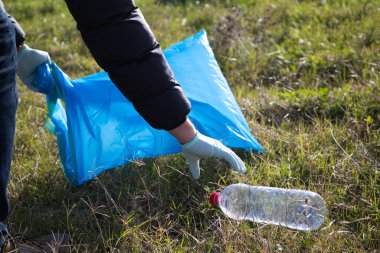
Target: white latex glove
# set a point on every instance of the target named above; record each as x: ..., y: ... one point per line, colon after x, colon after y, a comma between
x: 28, y: 61
x: 203, y: 146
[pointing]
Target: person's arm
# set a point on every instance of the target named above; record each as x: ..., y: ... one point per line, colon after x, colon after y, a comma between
x: 20, y: 34
x: 122, y: 43
x: 28, y: 58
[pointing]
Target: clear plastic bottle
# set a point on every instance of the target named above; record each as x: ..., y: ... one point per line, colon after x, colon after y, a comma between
x: 298, y: 209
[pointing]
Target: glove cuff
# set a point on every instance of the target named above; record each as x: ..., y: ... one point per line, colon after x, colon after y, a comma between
x: 192, y: 142
x: 22, y: 53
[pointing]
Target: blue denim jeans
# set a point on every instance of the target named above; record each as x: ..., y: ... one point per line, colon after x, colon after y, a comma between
x: 8, y: 106
x: 3, y: 234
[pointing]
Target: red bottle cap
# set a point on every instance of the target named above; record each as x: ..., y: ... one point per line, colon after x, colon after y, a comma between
x: 214, y: 198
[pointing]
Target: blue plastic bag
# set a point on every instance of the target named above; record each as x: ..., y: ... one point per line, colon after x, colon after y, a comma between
x: 97, y: 128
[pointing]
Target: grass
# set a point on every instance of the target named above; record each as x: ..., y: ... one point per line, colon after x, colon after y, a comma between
x: 306, y: 75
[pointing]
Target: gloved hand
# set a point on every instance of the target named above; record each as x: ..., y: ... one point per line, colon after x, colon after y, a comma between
x: 203, y: 146
x: 28, y: 61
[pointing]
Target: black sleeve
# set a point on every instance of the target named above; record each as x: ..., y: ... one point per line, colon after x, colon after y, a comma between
x: 20, y: 34
x: 122, y: 43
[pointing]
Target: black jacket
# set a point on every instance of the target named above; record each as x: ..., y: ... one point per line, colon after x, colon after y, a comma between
x: 20, y: 34
x: 122, y: 43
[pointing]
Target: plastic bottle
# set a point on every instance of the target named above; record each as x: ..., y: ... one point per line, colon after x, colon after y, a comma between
x: 298, y: 209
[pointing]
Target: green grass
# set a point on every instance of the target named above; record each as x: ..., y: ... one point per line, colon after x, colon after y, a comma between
x: 306, y: 75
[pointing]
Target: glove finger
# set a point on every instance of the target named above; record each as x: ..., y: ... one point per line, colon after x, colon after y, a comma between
x: 236, y: 163
x: 193, y: 162
x: 38, y: 57
x: 221, y: 151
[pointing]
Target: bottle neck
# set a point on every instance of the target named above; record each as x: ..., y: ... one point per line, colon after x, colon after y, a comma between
x: 214, y: 198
